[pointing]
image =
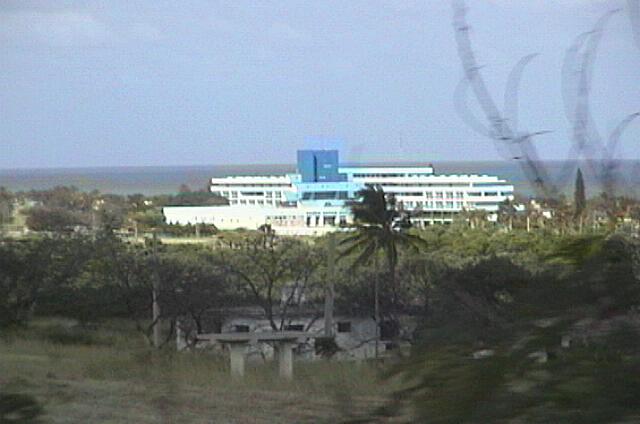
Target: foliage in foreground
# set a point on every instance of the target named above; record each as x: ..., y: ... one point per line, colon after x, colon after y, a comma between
x: 499, y: 345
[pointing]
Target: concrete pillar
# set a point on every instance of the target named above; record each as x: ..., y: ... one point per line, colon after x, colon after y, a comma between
x: 181, y: 340
x: 236, y: 353
x: 285, y: 359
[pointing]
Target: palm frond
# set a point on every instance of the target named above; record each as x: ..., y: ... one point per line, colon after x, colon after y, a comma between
x: 365, y: 256
x: 354, y: 247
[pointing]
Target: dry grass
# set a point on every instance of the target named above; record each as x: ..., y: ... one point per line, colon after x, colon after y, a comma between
x: 110, y: 376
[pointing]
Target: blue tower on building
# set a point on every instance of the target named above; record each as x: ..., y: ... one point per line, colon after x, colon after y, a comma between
x: 319, y: 166
x: 320, y: 181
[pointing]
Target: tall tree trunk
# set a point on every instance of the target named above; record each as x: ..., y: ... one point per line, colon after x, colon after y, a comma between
x: 376, y: 303
x: 157, y: 335
x: 392, y: 283
x: 376, y: 312
x: 580, y: 223
x: 329, y: 289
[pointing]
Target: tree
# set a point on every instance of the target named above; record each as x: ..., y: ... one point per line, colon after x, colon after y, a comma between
x: 376, y: 232
x: 125, y: 272
x: 477, y: 218
x: 507, y: 213
x: 147, y: 220
x: 6, y: 206
x: 31, y: 269
x: 274, y: 273
x: 192, y: 289
x: 579, y: 199
x: 186, y: 197
x: 54, y: 219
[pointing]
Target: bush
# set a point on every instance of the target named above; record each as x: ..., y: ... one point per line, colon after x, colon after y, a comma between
x: 72, y: 335
x: 18, y: 408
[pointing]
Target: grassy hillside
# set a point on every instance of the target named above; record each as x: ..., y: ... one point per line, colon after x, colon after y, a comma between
x: 110, y: 376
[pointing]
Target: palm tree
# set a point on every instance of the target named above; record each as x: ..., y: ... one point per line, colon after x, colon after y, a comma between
x: 378, y: 228
x: 506, y: 213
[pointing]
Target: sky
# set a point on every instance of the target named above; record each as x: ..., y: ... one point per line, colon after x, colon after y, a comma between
x: 137, y: 83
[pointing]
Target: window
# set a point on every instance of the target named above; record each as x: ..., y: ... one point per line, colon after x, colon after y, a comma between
x: 324, y: 195
x: 389, y: 330
x: 344, y: 327
x: 294, y: 327
x: 241, y: 328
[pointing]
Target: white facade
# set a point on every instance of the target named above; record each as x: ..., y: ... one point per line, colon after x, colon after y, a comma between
x: 299, y: 221
x: 258, y: 190
x: 439, y: 193
x: 292, y: 207
x: 416, y: 188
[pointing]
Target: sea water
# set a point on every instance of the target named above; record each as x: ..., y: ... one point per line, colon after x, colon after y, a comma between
x: 167, y: 180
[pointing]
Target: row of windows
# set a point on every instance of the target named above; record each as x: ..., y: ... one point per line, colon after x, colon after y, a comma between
x: 344, y: 194
x: 432, y: 195
x: 234, y: 194
x: 254, y: 202
x: 394, y: 184
x: 226, y: 185
x: 325, y: 195
x: 394, y: 175
x: 489, y: 193
x: 390, y: 175
x: 328, y: 220
x: 409, y: 193
x: 252, y: 193
x: 432, y: 204
x: 451, y: 194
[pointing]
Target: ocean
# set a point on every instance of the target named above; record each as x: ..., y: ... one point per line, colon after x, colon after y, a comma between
x: 167, y: 180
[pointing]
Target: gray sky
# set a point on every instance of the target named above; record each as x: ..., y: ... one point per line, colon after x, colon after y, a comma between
x: 93, y: 83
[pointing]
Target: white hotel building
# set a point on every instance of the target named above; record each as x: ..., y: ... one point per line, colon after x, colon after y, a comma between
x: 313, y: 201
